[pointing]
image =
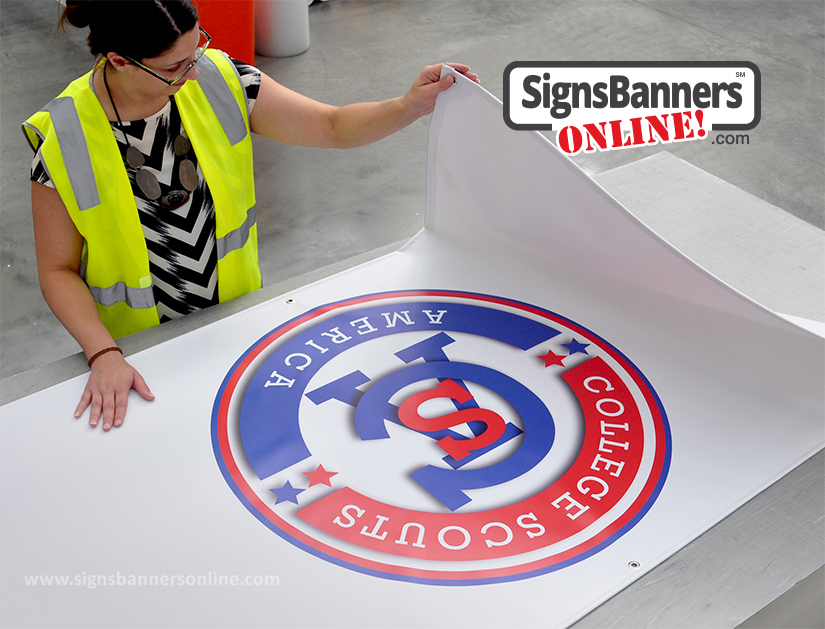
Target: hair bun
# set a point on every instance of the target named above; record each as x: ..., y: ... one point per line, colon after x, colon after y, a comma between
x: 138, y: 28
x: 77, y: 13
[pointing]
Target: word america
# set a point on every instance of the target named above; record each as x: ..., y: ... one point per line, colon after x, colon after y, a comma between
x: 362, y: 326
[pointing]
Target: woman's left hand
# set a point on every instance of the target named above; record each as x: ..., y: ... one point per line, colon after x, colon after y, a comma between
x: 286, y: 116
x: 420, y: 99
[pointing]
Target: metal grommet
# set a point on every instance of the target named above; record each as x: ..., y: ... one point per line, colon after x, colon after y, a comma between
x: 634, y: 565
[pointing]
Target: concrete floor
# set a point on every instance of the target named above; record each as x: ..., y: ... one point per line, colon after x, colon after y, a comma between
x: 319, y: 207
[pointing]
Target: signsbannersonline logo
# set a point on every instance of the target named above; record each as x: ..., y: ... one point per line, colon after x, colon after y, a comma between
x: 613, y: 105
x: 441, y: 437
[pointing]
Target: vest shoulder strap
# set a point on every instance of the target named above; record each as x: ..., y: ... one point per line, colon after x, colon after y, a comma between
x: 218, y: 92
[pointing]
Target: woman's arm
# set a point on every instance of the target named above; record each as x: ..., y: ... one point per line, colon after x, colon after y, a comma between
x: 286, y: 116
x: 59, y: 245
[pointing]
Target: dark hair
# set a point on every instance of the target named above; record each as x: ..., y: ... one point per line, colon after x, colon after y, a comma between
x: 140, y: 29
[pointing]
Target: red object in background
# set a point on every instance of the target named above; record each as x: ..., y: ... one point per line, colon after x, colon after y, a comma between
x: 231, y: 23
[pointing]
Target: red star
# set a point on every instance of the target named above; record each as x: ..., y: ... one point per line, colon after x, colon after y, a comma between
x: 320, y: 477
x: 552, y: 359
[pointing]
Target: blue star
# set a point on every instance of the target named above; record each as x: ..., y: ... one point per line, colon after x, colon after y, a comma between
x: 574, y: 347
x: 287, y: 493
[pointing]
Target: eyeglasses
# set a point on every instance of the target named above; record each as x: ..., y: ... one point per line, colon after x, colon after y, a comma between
x: 198, y: 54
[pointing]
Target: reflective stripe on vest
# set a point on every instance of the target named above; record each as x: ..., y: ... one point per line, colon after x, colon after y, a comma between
x: 134, y: 297
x: 72, y: 144
x: 120, y: 292
x: 220, y: 97
x: 237, y: 238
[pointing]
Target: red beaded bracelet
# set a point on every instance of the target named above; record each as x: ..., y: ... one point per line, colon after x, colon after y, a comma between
x: 103, y: 351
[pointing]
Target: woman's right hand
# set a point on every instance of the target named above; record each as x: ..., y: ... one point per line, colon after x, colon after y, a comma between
x: 59, y: 247
x: 107, y: 390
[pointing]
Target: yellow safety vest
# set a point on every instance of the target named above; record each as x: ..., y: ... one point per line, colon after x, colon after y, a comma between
x: 83, y: 160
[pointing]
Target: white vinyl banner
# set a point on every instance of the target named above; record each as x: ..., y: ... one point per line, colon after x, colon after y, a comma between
x: 531, y: 404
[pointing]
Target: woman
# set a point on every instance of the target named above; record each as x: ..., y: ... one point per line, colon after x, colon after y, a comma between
x: 142, y: 183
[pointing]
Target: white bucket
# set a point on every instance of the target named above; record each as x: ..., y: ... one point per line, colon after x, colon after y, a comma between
x: 281, y: 27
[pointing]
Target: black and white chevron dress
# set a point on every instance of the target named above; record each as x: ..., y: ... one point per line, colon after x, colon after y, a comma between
x: 183, y: 258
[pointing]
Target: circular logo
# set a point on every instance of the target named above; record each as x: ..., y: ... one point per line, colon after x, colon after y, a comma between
x: 441, y: 437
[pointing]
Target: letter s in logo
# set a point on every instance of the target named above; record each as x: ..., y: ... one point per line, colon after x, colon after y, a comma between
x: 457, y: 448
